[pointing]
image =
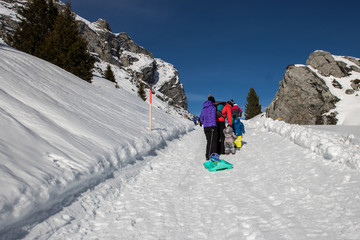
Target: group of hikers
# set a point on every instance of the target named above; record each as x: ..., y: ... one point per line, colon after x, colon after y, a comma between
x: 221, y: 138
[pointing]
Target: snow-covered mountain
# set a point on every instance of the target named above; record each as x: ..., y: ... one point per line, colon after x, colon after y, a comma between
x: 129, y: 61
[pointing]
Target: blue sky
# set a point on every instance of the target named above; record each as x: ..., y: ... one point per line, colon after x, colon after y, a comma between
x: 227, y: 47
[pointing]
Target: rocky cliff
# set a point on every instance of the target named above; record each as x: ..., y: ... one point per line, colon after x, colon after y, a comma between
x: 310, y: 94
x: 135, y: 63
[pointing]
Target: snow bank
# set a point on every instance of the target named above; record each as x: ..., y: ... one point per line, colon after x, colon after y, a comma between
x: 341, y: 149
x: 61, y: 136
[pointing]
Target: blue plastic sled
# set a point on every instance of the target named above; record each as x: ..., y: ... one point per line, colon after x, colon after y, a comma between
x: 217, y: 164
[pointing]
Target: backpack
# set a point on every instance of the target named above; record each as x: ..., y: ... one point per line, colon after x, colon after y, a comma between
x: 219, y: 107
x: 236, y: 111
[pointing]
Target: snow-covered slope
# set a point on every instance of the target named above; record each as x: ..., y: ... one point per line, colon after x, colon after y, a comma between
x: 61, y: 135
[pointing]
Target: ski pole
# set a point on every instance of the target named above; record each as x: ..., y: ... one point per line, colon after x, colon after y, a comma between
x: 210, y: 147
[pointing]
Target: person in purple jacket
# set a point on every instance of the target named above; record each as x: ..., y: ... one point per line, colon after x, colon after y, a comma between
x: 208, y: 120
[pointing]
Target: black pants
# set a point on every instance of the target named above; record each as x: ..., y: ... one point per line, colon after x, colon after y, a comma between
x: 211, y: 140
x: 221, y: 136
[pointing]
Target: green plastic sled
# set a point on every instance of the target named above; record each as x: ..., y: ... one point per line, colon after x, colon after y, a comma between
x: 217, y: 165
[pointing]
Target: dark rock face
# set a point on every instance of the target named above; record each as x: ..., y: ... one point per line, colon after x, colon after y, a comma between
x: 108, y: 46
x: 122, y: 51
x: 117, y: 49
x: 302, y: 98
x: 173, y: 90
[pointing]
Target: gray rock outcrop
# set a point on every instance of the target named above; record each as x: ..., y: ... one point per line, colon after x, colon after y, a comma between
x: 326, y: 64
x: 118, y: 50
x: 304, y: 97
x: 109, y: 46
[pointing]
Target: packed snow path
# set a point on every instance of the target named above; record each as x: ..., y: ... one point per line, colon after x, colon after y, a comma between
x: 269, y: 194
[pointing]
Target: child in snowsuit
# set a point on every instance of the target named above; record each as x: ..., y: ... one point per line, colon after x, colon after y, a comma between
x: 229, y: 140
x: 236, y: 110
x: 239, y: 130
x: 195, y: 120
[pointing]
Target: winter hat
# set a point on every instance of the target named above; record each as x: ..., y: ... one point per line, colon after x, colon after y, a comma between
x: 231, y: 102
x: 211, y: 98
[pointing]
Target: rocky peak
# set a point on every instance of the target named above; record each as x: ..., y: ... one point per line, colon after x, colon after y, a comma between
x: 120, y: 50
x: 306, y: 94
x: 101, y: 23
x: 325, y: 63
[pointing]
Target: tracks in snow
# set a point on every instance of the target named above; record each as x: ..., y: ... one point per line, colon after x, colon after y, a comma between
x: 276, y: 190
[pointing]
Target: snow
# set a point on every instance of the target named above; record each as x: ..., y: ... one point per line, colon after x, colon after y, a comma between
x: 166, y: 71
x: 6, y: 10
x: 78, y: 161
x: 91, y: 25
x: 143, y: 60
x: 61, y: 135
x: 276, y: 190
x: 348, y: 107
x: 331, y: 146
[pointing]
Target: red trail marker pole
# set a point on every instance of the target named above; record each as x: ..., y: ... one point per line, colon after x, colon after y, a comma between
x: 150, y: 92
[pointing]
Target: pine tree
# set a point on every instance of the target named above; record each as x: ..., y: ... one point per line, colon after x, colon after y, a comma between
x: 252, y: 107
x: 141, y: 91
x: 36, y: 21
x: 66, y: 48
x: 109, y: 74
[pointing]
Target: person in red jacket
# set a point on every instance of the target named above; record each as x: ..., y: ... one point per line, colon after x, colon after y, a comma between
x: 220, y: 125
